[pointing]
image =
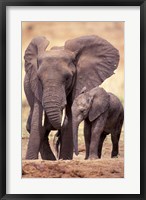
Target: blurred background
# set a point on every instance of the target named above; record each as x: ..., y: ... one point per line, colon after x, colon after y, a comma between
x: 57, y: 33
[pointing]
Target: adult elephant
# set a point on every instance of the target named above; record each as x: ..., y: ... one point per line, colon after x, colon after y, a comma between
x: 54, y: 78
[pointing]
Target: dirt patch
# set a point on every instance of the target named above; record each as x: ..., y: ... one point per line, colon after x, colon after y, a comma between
x: 73, y: 169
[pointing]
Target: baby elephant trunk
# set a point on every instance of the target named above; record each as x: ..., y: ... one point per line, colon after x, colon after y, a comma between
x: 75, y: 137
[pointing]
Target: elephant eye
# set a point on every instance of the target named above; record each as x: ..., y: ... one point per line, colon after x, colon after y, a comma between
x: 83, y: 112
x: 67, y: 77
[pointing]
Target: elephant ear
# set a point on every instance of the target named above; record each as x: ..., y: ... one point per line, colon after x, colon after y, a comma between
x: 96, y: 59
x: 35, y: 49
x: 100, y: 103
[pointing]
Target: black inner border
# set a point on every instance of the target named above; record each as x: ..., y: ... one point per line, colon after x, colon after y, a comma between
x: 3, y: 5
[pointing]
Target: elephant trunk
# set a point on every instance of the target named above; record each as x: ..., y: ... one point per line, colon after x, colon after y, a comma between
x: 75, y: 136
x: 51, y: 104
x: 54, y: 116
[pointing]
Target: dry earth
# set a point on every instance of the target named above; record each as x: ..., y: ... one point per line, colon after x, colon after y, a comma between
x: 73, y: 169
x: 78, y: 167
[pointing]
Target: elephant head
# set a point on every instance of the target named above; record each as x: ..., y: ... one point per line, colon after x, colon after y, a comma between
x: 89, y: 105
x: 57, y: 76
x: 51, y: 76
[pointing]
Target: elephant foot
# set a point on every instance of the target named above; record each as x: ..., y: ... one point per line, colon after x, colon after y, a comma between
x: 99, y: 156
x: 46, y: 153
x: 114, y: 156
x: 93, y: 157
x: 31, y: 157
x: 31, y: 154
x: 48, y: 157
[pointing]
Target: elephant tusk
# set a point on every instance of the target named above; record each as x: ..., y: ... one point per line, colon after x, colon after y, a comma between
x: 63, y: 116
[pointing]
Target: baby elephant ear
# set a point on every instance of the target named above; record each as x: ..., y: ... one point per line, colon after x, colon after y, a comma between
x: 100, y: 103
x: 36, y: 47
x: 96, y: 60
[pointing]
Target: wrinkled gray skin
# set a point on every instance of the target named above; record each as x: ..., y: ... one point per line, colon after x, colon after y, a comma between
x: 53, y: 79
x: 103, y: 114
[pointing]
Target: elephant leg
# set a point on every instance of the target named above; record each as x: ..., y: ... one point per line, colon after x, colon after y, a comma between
x: 30, y: 98
x: 87, y: 136
x: 102, y: 138
x: 115, y: 136
x: 36, y: 131
x: 45, y: 149
x: 66, y: 138
x: 28, y: 124
x: 115, y: 143
x: 96, y: 131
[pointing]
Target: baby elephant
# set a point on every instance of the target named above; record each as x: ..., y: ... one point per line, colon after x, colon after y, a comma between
x: 102, y: 113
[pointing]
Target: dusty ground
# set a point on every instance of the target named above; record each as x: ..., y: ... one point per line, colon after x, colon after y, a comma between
x: 74, y: 169
x: 77, y: 168
x: 58, y: 33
